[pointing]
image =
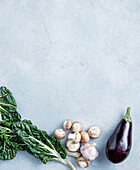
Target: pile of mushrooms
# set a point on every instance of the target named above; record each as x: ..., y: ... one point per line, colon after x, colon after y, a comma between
x: 88, y: 151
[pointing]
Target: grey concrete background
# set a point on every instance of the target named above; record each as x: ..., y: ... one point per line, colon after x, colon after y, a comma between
x: 75, y: 59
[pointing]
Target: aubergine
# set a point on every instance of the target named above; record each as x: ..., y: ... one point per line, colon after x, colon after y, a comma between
x: 119, y: 143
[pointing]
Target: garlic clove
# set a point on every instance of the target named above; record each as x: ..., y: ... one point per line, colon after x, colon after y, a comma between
x: 89, y: 151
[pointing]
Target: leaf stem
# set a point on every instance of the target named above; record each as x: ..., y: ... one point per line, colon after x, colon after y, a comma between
x: 0, y: 117
x: 6, y: 104
x: 67, y: 162
x: 64, y: 161
x: 70, y: 164
x: 3, y: 147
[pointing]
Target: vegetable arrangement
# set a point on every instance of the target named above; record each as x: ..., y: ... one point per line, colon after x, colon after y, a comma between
x: 88, y: 151
x: 17, y: 134
x: 23, y: 135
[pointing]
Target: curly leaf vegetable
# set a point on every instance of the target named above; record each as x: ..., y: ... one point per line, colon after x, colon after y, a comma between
x: 9, y: 143
x: 8, y: 106
x: 40, y: 144
x: 23, y: 135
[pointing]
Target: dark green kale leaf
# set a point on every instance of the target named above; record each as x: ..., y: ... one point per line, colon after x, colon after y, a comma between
x: 40, y: 144
x: 8, y: 106
x: 23, y: 135
x: 9, y: 143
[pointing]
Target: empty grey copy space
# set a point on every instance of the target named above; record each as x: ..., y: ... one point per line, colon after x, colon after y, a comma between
x: 77, y: 59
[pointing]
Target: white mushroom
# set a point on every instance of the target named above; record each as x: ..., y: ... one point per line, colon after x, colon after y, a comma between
x: 67, y: 124
x: 89, y: 151
x: 82, y: 162
x: 94, y: 131
x: 59, y: 133
x: 84, y: 137
x: 76, y: 137
x: 72, y: 147
x: 77, y: 127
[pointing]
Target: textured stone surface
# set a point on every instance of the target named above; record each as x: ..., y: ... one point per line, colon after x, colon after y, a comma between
x: 72, y: 59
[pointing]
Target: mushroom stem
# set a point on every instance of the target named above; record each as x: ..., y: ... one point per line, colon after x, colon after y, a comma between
x: 74, y: 154
x: 93, y: 144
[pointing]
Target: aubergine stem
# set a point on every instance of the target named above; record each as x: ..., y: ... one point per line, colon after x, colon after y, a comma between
x: 127, y: 116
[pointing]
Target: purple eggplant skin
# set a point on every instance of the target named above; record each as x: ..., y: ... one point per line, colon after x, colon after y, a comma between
x: 119, y: 143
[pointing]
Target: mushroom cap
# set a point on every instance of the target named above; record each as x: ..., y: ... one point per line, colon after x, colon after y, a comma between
x: 77, y: 127
x: 94, y: 131
x: 72, y: 147
x: 67, y: 124
x: 82, y: 162
x: 76, y: 137
x: 59, y: 133
x: 84, y: 137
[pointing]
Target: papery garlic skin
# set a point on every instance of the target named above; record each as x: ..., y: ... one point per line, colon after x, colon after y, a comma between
x: 89, y: 152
